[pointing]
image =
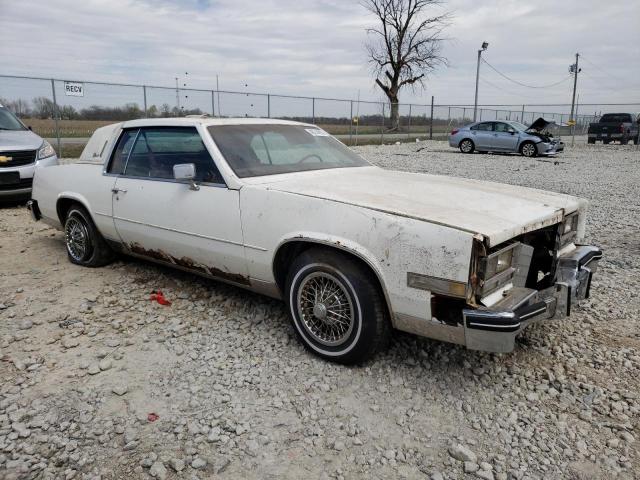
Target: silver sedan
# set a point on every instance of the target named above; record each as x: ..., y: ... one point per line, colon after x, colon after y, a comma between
x: 506, y: 136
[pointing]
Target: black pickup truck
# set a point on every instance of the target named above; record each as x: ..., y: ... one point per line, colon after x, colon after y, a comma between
x: 615, y: 126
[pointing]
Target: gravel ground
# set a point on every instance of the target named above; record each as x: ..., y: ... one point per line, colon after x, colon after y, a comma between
x: 96, y: 381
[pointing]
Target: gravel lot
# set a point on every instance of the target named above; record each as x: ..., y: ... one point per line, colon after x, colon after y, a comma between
x: 96, y: 381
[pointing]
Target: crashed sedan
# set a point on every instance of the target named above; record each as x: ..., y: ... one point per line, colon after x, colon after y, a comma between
x: 507, y: 137
x: 284, y: 209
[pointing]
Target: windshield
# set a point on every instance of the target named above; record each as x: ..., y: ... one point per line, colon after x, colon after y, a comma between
x: 518, y: 126
x: 8, y: 120
x: 255, y: 150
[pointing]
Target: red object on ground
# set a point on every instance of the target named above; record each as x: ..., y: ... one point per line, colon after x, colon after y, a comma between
x: 152, y: 417
x: 159, y: 297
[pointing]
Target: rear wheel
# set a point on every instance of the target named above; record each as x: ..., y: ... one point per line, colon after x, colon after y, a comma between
x: 591, y: 140
x: 606, y: 142
x: 636, y: 140
x: 528, y: 149
x: 336, y: 306
x: 85, y: 245
x: 467, y: 146
x: 624, y: 141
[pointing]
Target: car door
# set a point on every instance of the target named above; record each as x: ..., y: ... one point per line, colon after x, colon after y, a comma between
x: 482, y: 135
x: 166, y: 220
x: 505, y: 137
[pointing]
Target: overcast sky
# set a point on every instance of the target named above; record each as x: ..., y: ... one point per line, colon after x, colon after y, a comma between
x: 316, y: 47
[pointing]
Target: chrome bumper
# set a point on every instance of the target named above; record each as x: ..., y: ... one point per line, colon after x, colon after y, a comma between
x: 495, y: 329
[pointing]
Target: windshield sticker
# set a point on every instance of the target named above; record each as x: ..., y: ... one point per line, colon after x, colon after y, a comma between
x: 316, y: 132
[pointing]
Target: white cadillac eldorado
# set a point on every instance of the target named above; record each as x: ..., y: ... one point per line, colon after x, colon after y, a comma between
x: 284, y: 209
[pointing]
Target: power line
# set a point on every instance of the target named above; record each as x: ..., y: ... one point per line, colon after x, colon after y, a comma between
x: 601, y: 69
x: 524, y: 84
x: 503, y: 90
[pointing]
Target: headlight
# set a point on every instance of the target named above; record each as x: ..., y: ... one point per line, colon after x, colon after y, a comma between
x: 498, y: 263
x: 46, y: 150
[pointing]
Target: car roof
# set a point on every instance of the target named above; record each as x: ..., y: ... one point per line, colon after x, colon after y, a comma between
x: 206, y: 121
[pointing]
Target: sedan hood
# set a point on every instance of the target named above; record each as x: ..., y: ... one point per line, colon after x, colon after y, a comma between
x: 539, y: 125
x: 11, y: 140
x: 497, y: 211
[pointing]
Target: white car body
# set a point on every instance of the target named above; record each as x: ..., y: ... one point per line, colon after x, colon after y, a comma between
x: 397, y: 223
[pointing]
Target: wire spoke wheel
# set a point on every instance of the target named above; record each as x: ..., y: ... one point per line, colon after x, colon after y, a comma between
x: 325, y: 308
x: 77, y: 238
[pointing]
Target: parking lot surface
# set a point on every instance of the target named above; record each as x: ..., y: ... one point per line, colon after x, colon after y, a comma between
x: 97, y: 381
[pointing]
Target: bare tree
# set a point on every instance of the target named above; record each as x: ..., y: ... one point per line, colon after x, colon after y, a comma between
x: 405, y: 46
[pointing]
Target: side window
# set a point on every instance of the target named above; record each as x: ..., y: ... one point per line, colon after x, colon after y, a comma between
x: 501, y: 127
x: 158, y: 149
x: 483, y: 127
x: 121, y: 153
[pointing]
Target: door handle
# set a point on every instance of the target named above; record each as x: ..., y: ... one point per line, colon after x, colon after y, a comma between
x: 118, y: 190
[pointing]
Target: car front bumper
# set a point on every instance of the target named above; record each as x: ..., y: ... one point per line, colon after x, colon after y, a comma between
x: 549, y: 148
x: 22, y: 186
x: 495, y: 329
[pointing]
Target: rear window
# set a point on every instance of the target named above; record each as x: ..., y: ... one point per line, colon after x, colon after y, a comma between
x: 616, y: 118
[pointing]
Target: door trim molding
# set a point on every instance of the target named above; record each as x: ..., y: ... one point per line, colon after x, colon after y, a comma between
x: 206, y: 237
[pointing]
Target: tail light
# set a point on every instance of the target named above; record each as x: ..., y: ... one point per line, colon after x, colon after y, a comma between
x: 454, y: 131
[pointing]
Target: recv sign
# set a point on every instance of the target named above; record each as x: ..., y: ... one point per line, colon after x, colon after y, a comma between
x: 74, y: 89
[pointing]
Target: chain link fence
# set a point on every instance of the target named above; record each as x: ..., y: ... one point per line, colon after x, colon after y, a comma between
x: 68, y: 112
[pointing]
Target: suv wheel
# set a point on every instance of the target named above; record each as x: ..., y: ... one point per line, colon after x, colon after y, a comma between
x: 336, y: 306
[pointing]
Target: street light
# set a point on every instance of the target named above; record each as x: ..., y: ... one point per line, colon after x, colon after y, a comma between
x: 485, y: 45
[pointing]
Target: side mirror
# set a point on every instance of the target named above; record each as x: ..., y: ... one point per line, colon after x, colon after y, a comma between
x: 29, y: 127
x: 186, y: 172
x: 512, y: 131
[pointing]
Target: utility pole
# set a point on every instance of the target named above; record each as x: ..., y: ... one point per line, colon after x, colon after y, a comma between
x: 475, y: 103
x: 575, y: 70
x: 177, y: 95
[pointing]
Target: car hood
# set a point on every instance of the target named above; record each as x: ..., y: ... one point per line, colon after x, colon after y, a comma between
x: 19, y: 140
x: 497, y: 211
x: 539, y: 125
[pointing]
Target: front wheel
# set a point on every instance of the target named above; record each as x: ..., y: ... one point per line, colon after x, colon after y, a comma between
x: 467, y: 146
x: 85, y: 245
x: 336, y: 306
x: 528, y: 149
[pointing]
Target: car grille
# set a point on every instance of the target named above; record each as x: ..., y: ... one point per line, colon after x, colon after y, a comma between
x: 18, y: 158
x: 23, y: 183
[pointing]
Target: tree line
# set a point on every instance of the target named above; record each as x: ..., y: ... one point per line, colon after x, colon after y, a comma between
x: 43, y: 108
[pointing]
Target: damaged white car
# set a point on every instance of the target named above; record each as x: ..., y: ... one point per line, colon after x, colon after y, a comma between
x: 284, y: 209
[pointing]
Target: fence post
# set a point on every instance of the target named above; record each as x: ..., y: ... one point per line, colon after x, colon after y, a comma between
x: 213, y: 104
x: 409, y: 124
x: 268, y: 105
x: 313, y: 110
x: 464, y: 115
x: 431, y: 121
x: 351, y: 124
x: 382, y: 127
x: 144, y: 94
x: 497, y: 114
x: 55, y: 115
x: 449, y: 116
x: 522, y: 116
x: 480, y: 119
